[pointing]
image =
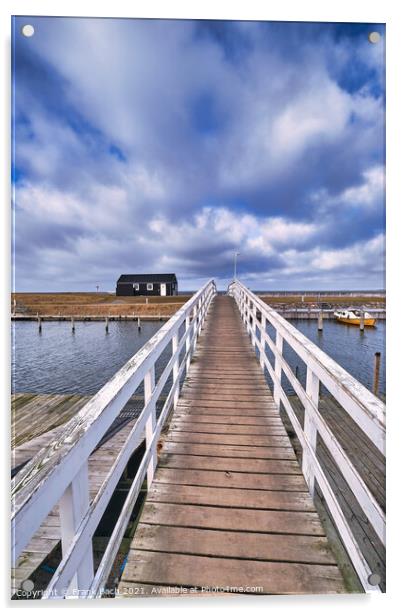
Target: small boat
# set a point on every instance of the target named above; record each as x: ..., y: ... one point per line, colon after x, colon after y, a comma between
x: 351, y: 316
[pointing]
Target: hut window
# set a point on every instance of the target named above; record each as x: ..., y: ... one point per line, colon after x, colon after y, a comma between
x: 150, y: 286
x: 136, y: 286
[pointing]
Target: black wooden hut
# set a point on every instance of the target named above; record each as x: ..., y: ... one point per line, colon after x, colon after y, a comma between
x: 147, y: 284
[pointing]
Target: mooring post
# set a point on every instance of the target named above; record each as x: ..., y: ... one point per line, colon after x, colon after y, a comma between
x: 362, y: 320
x: 320, y: 321
x: 139, y: 324
x: 72, y: 325
x: 377, y: 361
x: 107, y: 325
x: 39, y: 323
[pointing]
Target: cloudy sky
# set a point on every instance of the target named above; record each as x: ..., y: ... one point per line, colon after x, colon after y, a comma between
x: 166, y: 146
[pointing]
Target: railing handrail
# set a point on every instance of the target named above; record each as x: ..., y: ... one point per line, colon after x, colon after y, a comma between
x: 45, y: 478
x: 334, y: 376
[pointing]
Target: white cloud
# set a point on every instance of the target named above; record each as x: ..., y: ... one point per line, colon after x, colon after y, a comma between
x: 134, y: 87
x: 359, y: 257
x: 368, y: 194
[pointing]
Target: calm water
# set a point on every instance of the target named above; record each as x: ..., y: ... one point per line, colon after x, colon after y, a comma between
x: 352, y: 349
x: 57, y: 361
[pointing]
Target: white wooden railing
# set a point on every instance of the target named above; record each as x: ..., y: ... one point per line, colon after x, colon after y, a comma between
x: 362, y: 406
x: 59, y: 473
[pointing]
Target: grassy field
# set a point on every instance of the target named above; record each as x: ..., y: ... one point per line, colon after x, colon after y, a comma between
x: 314, y: 301
x: 107, y: 304
x: 94, y: 304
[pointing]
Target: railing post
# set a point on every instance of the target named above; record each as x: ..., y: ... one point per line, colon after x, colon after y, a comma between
x: 188, y: 359
x: 262, y: 340
x: 310, y: 429
x: 194, y: 322
x: 199, y: 310
x: 72, y: 507
x: 248, y: 315
x: 278, y: 367
x: 149, y: 386
x: 175, y: 344
x: 254, y: 325
x: 245, y: 311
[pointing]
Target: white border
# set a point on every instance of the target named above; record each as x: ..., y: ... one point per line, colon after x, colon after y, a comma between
x: 378, y: 11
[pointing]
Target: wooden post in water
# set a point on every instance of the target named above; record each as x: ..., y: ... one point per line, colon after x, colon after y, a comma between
x: 320, y: 321
x: 377, y: 361
x: 107, y: 325
x: 39, y: 324
x: 139, y: 324
x: 72, y: 325
x: 362, y: 320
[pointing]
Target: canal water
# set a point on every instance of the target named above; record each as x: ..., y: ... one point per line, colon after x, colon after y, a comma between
x: 346, y: 344
x: 59, y: 361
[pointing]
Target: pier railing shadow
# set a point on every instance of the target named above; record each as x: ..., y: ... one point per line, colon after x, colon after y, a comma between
x: 58, y: 474
x: 268, y: 332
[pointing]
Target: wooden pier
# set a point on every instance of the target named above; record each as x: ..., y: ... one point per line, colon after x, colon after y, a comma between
x: 248, y: 490
x: 38, y: 421
x: 229, y: 506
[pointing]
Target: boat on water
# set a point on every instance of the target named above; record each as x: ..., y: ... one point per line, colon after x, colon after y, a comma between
x: 352, y: 316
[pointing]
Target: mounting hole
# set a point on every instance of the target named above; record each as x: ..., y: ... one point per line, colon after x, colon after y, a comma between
x: 27, y: 585
x: 374, y: 579
x: 28, y: 30
x: 374, y: 37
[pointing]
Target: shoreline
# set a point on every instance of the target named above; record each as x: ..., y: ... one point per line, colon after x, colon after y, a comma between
x: 289, y: 313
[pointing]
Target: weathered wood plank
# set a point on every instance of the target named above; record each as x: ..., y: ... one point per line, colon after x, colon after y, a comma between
x: 251, y: 465
x: 197, y: 410
x: 276, y: 430
x: 229, y: 404
x: 262, y: 577
x: 252, y: 420
x: 256, y: 520
x: 231, y: 451
x: 227, y: 439
x: 228, y: 479
x: 233, y: 544
x: 230, y: 497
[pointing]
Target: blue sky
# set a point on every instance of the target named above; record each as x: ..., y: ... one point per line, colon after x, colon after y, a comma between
x: 162, y: 145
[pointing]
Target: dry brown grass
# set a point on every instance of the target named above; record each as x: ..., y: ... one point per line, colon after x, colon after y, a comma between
x: 107, y: 304
x: 94, y: 304
x: 334, y: 300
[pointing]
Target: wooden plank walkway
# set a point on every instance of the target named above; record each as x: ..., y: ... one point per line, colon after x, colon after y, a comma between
x: 229, y: 506
x: 34, y: 414
x: 37, y: 418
